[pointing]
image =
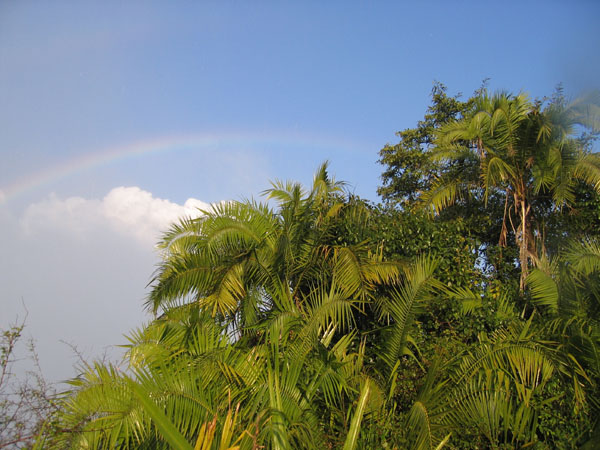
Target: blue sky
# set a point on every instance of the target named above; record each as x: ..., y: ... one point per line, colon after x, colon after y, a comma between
x: 237, y: 93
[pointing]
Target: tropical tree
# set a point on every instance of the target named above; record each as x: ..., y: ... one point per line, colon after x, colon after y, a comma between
x: 242, y: 260
x: 408, y: 170
x: 258, y: 310
x: 524, y: 151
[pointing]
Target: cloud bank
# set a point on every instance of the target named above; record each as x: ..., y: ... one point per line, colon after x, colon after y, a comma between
x: 129, y: 211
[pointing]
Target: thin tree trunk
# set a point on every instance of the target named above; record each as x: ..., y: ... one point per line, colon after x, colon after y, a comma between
x: 524, y: 244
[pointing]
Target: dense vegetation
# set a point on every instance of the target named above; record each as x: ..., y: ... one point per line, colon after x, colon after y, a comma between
x: 463, y: 312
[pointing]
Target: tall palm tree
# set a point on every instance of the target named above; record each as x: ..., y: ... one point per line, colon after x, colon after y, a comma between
x: 523, y: 150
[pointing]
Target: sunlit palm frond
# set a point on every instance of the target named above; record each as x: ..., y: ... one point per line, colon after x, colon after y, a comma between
x: 544, y: 290
x: 441, y: 195
x: 228, y: 293
x: 353, y: 432
x: 494, y: 171
x: 404, y: 304
x: 181, y: 276
x: 584, y: 257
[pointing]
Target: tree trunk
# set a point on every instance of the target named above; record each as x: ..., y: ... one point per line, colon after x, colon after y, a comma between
x: 524, y: 243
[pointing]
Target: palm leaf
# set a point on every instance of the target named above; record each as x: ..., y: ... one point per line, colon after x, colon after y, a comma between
x: 353, y: 432
x: 544, y: 290
x: 403, y: 305
x: 166, y: 428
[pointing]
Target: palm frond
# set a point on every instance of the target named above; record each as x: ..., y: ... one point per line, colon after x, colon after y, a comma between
x: 441, y: 195
x: 403, y: 305
x: 353, y: 432
x: 544, y: 290
x: 584, y: 257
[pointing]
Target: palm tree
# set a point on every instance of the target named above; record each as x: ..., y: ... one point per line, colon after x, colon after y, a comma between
x: 258, y: 310
x: 523, y: 151
x: 243, y: 260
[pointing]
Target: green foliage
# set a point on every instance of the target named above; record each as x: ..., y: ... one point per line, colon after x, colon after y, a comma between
x: 259, y: 308
x: 408, y: 168
x: 524, y: 151
x: 327, y: 322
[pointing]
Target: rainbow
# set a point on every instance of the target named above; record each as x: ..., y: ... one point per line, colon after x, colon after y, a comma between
x: 110, y: 155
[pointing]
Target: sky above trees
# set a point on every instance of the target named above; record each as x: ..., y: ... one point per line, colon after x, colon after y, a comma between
x: 116, y: 119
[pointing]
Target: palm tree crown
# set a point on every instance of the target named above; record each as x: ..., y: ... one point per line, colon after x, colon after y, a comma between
x: 523, y: 151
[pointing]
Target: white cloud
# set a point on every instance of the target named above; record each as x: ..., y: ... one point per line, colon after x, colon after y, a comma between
x: 129, y: 211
